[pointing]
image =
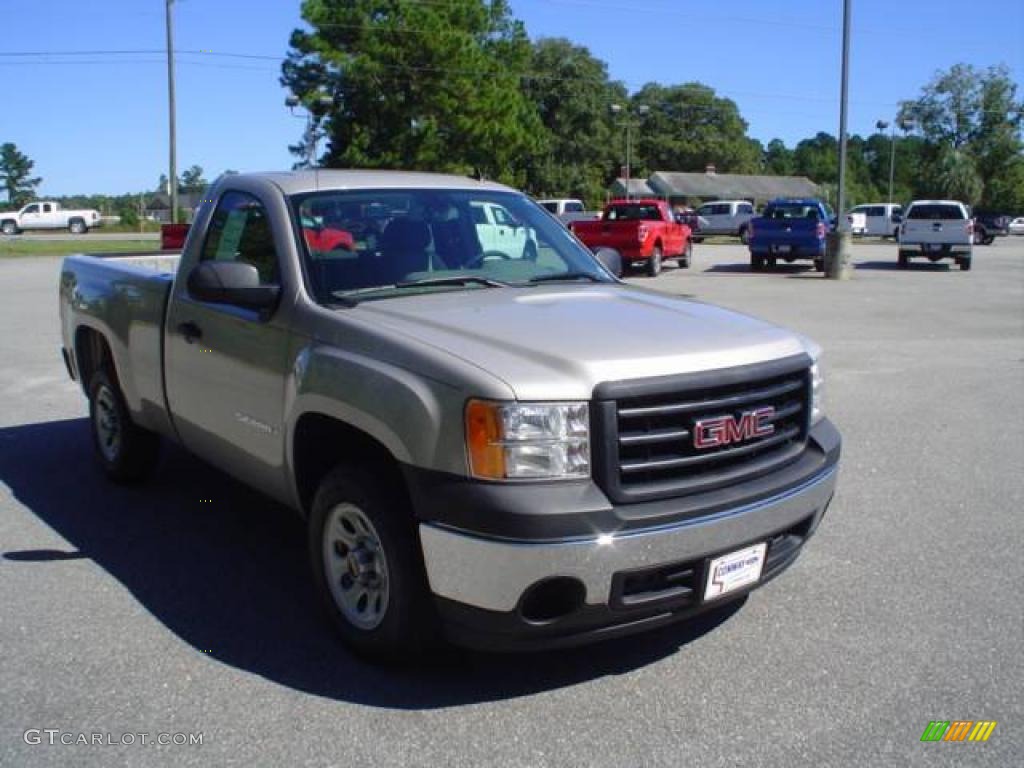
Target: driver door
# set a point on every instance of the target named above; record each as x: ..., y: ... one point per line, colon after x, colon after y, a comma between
x: 226, y: 366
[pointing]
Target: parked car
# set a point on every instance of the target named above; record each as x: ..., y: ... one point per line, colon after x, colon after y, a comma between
x: 989, y: 226
x: 501, y: 235
x: 789, y: 229
x: 726, y: 217
x: 1016, y: 227
x: 876, y: 219
x: 47, y: 214
x: 562, y: 205
x: 521, y: 453
x: 642, y: 231
x: 935, y: 230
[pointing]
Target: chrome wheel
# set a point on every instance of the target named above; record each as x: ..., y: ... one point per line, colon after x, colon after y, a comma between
x: 355, y: 566
x: 107, y: 423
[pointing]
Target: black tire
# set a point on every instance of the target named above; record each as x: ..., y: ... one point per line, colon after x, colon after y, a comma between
x: 77, y: 227
x: 686, y: 259
x: 904, y: 261
x: 819, y: 265
x: 743, y: 235
x: 406, y: 623
x: 127, y: 452
x: 965, y: 264
x: 989, y: 239
x: 756, y: 263
x: 697, y: 239
x: 654, y: 263
x: 770, y: 263
x: 9, y: 227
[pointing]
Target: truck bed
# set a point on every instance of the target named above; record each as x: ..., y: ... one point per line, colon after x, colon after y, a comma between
x: 124, y: 297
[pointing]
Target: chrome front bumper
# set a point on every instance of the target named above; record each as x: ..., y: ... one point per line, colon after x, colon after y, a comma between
x: 493, y: 574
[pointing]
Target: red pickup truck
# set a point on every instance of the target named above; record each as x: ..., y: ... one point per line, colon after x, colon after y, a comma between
x: 640, y: 230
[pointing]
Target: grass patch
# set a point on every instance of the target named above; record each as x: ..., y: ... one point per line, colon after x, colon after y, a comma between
x: 23, y: 247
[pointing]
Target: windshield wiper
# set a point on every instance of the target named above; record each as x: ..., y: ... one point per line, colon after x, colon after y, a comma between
x: 351, y: 298
x: 454, y: 280
x: 566, y: 276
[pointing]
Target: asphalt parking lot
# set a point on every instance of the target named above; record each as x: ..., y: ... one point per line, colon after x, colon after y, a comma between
x: 183, y: 607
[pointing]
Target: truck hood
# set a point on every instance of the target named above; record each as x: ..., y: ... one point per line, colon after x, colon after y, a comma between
x: 559, y: 342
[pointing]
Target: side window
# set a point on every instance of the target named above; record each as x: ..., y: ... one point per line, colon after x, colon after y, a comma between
x: 746, y: 208
x: 47, y: 208
x: 34, y: 208
x: 501, y: 217
x: 240, y: 231
x: 573, y: 207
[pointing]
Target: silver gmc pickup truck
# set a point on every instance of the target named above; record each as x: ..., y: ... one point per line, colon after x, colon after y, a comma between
x: 506, y: 446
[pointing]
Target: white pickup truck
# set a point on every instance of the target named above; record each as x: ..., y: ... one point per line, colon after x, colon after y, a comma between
x: 47, y: 214
x: 937, y: 229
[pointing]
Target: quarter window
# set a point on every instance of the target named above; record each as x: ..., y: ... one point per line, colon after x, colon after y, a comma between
x: 240, y: 231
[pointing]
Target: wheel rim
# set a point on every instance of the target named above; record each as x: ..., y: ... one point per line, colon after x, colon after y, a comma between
x: 108, y: 424
x: 355, y: 566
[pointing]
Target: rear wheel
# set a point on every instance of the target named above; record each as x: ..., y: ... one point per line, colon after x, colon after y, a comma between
x: 367, y: 564
x: 697, y: 239
x: 819, y: 265
x: 654, y: 263
x: 126, y: 451
x: 77, y: 227
x: 904, y: 261
x: 685, y: 260
x: 744, y: 238
x: 965, y: 264
x: 756, y: 263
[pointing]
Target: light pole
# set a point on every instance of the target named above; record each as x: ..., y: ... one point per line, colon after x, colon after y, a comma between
x: 881, y: 125
x: 321, y: 102
x: 171, y: 109
x: 838, y: 255
x: 629, y: 123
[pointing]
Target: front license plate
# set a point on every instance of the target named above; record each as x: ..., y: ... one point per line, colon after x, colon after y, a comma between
x: 734, y: 571
x: 782, y: 249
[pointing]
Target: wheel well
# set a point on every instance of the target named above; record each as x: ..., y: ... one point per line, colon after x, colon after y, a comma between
x: 92, y: 353
x: 322, y: 442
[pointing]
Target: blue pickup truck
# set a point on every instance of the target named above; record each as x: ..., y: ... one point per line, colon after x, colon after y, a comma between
x: 789, y: 229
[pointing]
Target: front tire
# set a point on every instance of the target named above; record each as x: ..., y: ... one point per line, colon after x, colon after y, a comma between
x: 904, y: 261
x: 965, y: 264
x: 9, y: 228
x: 654, y: 262
x: 756, y: 263
x: 744, y: 237
x: 367, y: 564
x: 127, y: 452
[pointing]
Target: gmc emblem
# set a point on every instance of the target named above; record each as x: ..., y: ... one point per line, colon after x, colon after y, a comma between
x: 723, y: 430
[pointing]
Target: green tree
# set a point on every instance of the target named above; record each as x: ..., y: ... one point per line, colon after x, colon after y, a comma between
x: 572, y: 94
x: 688, y: 127
x: 433, y: 86
x: 777, y: 159
x: 15, y: 175
x: 970, y: 120
x: 192, y: 180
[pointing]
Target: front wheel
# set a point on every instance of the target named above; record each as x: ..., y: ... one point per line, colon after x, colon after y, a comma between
x: 126, y: 451
x: 654, y: 263
x: 744, y: 236
x: 965, y: 264
x: 819, y: 265
x: 756, y: 263
x: 904, y: 261
x: 9, y: 228
x: 367, y: 564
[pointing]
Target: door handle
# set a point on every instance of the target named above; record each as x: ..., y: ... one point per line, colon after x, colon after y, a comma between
x: 190, y: 331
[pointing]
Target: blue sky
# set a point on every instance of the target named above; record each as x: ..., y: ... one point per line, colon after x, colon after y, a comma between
x: 99, y: 123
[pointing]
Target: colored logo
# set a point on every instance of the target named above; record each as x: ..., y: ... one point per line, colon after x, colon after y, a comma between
x: 958, y: 730
x: 723, y: 430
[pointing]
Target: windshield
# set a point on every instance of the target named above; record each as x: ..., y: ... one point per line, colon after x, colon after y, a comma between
x: 792, y: 211
x: 935, y: 211
x: 633, y: 212
x: 370, y: 244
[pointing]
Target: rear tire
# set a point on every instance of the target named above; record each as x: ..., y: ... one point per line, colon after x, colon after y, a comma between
x: 685, y: 260
x: 819, y: 265
x: 904, y: 261
x: 696, y: 239
x: 756, y: 263
x: 77, y: 227
x: 965, y: 264
x: 744, y: 238
x: 127, y: 452
x: 654, y: 263
x: 368, y: 564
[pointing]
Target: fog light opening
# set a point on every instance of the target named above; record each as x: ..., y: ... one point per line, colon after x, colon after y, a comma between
x: 552, y: 599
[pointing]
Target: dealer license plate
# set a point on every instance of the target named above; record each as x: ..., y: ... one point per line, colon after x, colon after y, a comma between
x: 782, y: 249
x: 734, y: 571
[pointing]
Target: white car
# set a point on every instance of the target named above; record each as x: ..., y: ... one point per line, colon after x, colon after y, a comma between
x: 563, y: 205
x: 1017, y: 226
x: 937, y: 229
x: 501, y: 235
x: 876, y: 219
x: 47, y: 214
x: 725, y: 217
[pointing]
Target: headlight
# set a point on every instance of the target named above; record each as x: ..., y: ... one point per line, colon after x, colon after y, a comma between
x: 817, y: 390
x: 528, y: 441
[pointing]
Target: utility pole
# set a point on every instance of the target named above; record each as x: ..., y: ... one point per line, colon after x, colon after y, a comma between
x: 838, y: 256
x: 173, y: 175
x: 881, y: 125
x: 629, y: 124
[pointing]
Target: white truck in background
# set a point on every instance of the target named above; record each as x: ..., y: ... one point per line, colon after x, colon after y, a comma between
x: 47, y: 214
x: 937, y: 229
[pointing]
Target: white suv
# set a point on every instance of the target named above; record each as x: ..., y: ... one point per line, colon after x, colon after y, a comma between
x: 937, y: 229
x: 725, y: 217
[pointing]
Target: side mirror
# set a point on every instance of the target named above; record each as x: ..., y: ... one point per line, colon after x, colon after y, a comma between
x: 610, y: 259
x: 231, y: 282
x: 897, y: 218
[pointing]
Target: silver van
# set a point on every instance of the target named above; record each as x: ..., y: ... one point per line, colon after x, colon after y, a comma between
x: 725, y: 217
